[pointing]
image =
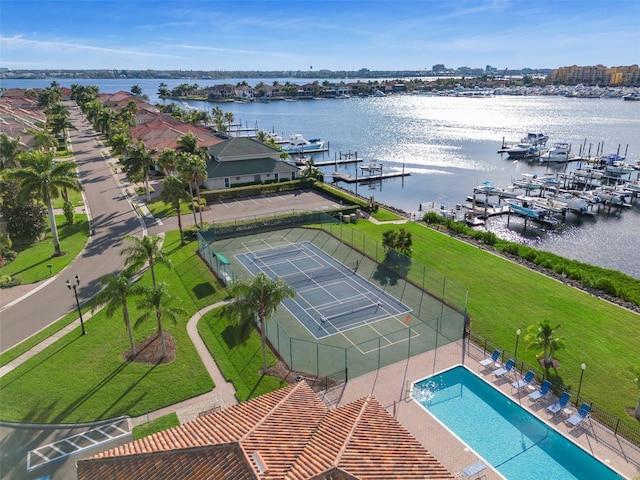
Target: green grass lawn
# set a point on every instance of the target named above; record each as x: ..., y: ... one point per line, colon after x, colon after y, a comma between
x: 154, y: 426
x: 504, y: 297
x: 31, y: 263
x: 240, y: 363
x: 84, y: 378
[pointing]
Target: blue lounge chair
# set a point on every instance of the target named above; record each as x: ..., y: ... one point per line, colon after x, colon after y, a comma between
x: 578, y: 417
x: 523, y: 382
x: 562, y: 402
x: 544, y: 390
x: 504, y: 370
x: 492, y: 359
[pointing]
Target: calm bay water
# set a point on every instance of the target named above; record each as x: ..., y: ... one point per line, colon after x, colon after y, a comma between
x: 449, y: 145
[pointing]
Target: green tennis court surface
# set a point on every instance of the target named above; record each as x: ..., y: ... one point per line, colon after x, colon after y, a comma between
x: 331, y: 296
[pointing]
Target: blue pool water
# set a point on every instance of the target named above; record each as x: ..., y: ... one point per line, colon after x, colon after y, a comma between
x: 515, y: 442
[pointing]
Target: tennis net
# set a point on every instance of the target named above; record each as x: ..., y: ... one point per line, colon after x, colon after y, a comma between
x: 300, y: 279
x: 281, y: 252
x: 344, y: 309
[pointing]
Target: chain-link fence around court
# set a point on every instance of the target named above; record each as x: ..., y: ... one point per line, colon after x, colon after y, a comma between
x: 438, y: 304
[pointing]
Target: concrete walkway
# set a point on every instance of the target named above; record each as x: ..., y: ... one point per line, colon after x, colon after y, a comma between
x: 221, y: 396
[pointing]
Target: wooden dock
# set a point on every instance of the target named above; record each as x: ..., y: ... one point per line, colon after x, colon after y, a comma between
x: 345, y: 177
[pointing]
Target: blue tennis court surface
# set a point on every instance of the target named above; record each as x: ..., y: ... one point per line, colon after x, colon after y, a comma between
x: 331, y: 296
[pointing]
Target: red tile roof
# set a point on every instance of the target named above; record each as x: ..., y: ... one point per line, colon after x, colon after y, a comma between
x: 288, y: 434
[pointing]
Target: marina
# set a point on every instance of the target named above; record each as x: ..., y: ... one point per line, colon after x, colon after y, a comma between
x: 448, y: 145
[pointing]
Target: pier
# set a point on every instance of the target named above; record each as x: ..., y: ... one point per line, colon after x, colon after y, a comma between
x: 345, y: 177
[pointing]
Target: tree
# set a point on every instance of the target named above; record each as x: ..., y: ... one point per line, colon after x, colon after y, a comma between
x: 45, y: 141
x: 192, y: 165
x: 145, y: 250
x: 9, y: 151
x: 159, y: 300
x: 137, y: 165
x: 399, y: 240
x: 311, y: 171
x: 541, y: 335
x: 174, y: 192
x: 193, y: 169
x: 136, y: 90
x: 116, y: 288
x: 44, y: 179
x: 258, y: 297
x: 163, y: 91
x: 25, y: 218
x: 58, y: 124
x: 167, y: 161
x: 228, y: 117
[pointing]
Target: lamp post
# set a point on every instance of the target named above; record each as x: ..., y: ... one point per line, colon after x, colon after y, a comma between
x: 75, y: 291
x: 582, y: 367
x: 515, y: 354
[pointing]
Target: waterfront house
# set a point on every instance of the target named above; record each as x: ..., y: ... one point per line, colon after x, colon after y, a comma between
x: 241, y: 161
x: 286, y: 434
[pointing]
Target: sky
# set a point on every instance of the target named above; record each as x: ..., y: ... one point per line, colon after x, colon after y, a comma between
x: 316, y: 35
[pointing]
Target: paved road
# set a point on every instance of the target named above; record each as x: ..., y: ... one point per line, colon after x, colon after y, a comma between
x: 112, y: 216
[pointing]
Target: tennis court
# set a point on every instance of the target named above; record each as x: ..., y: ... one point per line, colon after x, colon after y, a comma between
x: 331, y: 296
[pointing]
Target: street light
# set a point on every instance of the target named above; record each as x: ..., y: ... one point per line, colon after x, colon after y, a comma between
x: 583, y: 367
x: 518, y: 332
x: 75, y: 291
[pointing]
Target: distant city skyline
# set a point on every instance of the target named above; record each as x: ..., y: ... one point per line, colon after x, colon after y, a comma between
x: 312, y: 36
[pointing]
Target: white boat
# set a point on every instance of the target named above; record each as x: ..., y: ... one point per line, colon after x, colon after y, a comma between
x: 558, y: 153
x: 487, y: 189
x: 379, y: 93
x: 619, y: 168
x: 298, y: 144
x: 633, y: 187
x: 632, y: 97
x: 528, y: 181
x: 525, y: 206
x: 573, y: 202
x: 521, y: 150
x: 611, y: 195
x: 532, y: 138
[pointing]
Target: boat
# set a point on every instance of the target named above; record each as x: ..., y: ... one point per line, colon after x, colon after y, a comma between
x: 537, y: 139
x: 525, y: 206
x: 558, y: 153
x: 528, y: 181
x: 573, y: 202
x: 619, y: 168
x: 487, y: 189
x: 379, y: 93
x: 612, y: 195
x: 633, y: 187
x: 521, y: 150
x: 298, y: 144
x: 632, y: 97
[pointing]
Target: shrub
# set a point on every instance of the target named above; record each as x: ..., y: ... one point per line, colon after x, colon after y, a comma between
x: 7, y: 281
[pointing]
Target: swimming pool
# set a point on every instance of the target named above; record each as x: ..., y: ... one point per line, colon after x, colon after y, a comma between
x: 515, y: 442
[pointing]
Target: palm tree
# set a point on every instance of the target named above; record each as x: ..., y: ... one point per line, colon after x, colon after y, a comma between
x: 44, y: 179
x: 138, y: 163
x: 193, y: 168
x: 59, y: 123
x: 9, y: 151
x: 159, y: 300
x: 163, y: 91
x: 174, y: 191
x: 541, y: 335
x: 116, y: 288
x: 143, y: 250
x: 228, y: 116
x: 167, y: 161
x: 45, y: 141
x: 258, y: 297
x: 120, y: 144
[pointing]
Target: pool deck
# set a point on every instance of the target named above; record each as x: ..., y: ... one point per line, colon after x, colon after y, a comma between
x: 389, y: 386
